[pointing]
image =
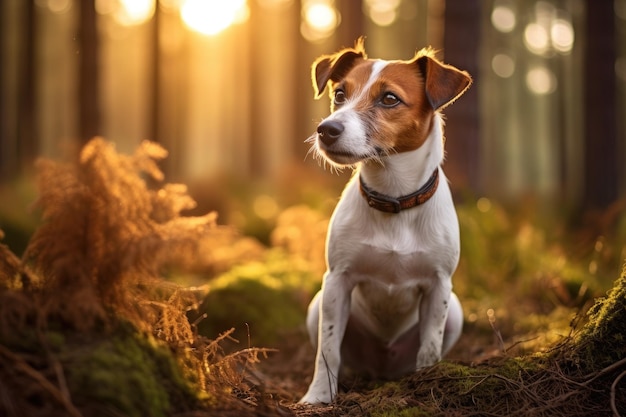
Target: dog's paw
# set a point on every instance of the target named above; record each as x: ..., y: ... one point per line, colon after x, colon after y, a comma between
x: 315, y: 398
x: 427, y: 357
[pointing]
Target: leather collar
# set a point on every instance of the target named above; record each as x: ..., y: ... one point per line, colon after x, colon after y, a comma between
x: 389, y: 204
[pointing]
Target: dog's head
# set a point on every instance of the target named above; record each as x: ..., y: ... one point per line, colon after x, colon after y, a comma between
x: 380, y: 107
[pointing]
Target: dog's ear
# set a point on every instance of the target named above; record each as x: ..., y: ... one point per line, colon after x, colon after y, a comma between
x: 334, y: 67
x: 442, y: 83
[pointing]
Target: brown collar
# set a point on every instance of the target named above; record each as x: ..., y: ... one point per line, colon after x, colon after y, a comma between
x: 395, y: 205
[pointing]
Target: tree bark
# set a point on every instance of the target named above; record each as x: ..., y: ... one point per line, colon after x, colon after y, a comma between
x: 601, y: 147
x: 27, y: 145
x: 461, y: 48
x: 88, y: 83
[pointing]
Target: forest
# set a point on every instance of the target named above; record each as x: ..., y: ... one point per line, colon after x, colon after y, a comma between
x: 159, y: 247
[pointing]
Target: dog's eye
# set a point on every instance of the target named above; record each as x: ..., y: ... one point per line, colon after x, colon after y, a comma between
x: 339, y: 97
x: 390, y: 100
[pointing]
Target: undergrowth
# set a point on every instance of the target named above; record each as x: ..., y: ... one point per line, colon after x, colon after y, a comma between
x: 86, y: 328
x: 89, y: 327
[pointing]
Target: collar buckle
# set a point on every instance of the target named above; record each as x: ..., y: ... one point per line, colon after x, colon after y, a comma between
x: 384, y: 203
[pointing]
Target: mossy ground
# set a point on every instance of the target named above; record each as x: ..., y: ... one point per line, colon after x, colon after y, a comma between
x: 261, y: 300
x: 114, y: 371
x: 126, y: 372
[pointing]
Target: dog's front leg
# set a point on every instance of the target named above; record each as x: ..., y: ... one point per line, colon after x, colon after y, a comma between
x: 334, y: 314
x: 433, y: 315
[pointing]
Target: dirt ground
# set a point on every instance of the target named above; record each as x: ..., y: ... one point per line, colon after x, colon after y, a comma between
x: 284, y: 376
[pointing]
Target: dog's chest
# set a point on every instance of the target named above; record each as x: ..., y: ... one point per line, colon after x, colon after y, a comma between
x: 390, y: 287
x: 391, y: 268
x: 394, y: 251
x: 391, y: 264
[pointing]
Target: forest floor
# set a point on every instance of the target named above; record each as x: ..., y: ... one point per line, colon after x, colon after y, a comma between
x: 97, y: 317
x: 283, y: 377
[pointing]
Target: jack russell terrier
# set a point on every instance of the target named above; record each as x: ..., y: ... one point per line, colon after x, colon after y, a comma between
x: 386, y: 307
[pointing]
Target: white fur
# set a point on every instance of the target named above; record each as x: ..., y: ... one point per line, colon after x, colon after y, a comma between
x: 391, y: 271
x: 353, y: 138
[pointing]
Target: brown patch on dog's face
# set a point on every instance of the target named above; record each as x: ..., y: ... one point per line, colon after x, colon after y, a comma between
x: 405, y: 122
x: 392, y: 105
x: 352, y: 86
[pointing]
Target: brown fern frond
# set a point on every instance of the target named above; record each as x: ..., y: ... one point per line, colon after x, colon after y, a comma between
x: 109, y: 228
x: 106, y: 229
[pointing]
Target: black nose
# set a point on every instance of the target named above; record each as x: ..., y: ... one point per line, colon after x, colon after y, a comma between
x: 329, y: 131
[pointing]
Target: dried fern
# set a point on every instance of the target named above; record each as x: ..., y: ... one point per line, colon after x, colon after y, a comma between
x: 105, y: 229
x: 108, y: 230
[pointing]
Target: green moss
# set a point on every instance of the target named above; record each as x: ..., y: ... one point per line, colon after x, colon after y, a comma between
x: 451, y: 386
x: 268, y: 298
x: 601, y: 341
x: 479, y: 384
x: 126, y: 374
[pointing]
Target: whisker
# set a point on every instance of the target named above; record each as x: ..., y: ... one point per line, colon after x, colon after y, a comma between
x: 312, y: 150
x: 311, y: 139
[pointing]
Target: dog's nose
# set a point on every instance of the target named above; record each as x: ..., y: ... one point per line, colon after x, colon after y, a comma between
x: 329, y: 131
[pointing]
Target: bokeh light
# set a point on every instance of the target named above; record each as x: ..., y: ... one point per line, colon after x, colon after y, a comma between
x: 503, y: 65
x: 483, y: 205
x: 127, y: 12
x: 382, y: 12
x: 536, y: 38
x: 562, y: 34
x: 210, y: 17
x: 503, y: 18
x: 321, y: 16
x: 319, y: 19
x: 265, y: 207
x: 550, y: 31
x: 541, y: 81
x: 135, y: 12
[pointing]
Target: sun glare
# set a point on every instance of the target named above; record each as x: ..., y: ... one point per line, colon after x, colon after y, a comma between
x: 127, y: 12
x: 211, y: 17
x: 138, y: 11
x: 319, y: 19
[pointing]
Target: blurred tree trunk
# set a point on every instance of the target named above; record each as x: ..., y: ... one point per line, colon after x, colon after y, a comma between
x: 461, y: 48
x: 26, y: 117
x: 155, y: 83
x: 601, y: 147
x: 350, y: 29
x: 88, y: 72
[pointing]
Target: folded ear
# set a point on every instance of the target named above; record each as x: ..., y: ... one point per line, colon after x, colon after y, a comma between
x: 442, y: 83
x: 334, y: 67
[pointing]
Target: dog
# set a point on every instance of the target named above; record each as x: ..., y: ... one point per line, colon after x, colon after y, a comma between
x: 386, y: 307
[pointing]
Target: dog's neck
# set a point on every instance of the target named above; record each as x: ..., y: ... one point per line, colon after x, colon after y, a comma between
x: 404, y: 173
